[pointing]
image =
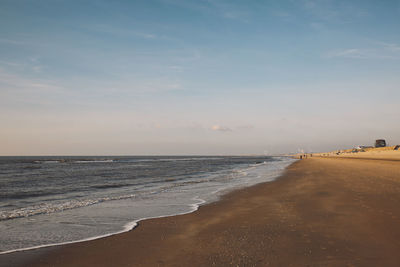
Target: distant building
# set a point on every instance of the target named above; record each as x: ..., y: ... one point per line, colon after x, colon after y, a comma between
x: 380, y: 143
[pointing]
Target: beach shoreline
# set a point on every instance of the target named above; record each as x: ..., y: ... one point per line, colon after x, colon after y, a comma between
x: 320, y: 211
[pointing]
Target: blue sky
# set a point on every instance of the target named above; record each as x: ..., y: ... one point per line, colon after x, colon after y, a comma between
x: 197, y: 77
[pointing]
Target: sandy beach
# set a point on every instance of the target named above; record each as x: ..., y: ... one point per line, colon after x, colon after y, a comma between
x: 321, y: 212
x: 380, y: 153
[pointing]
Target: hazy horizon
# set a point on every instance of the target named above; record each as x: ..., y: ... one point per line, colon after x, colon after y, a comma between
x: 213, y: 77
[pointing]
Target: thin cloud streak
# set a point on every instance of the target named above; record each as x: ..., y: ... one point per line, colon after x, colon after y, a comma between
x: 383, y: 51
x: 119, y: 31
x: 352, y: 53
x: 220, y: 128
x: 18, y: 82
x: 222, y: 9
x: 334, y: 11
x: 13, y: 42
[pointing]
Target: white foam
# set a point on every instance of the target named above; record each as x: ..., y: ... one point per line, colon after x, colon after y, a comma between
x: 94, y: 161
x: 127, y: 227
x: 46, y: 208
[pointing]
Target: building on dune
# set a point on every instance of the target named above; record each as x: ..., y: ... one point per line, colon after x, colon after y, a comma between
x: 380, y: 143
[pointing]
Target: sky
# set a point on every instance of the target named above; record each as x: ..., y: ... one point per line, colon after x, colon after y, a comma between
x: 197, y: 77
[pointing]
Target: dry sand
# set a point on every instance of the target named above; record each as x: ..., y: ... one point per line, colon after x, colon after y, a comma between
x: 386, y: 153
x: 322, y: 212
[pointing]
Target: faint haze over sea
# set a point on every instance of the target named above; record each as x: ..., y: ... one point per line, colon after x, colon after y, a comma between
x: 172, y: 77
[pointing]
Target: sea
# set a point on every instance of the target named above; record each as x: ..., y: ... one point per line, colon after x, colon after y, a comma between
x: 47, y: 201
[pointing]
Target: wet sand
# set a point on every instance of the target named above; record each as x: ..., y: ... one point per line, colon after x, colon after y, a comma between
x: 321, y: 212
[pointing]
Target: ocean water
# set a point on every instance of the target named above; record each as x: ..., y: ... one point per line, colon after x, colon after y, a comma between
x: 56, y: 200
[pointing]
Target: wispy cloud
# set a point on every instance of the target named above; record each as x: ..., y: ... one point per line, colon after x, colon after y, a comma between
x: 17, y: 90
x: 390, y: 47
x: 220, y: 128
x: 220, y: 8
x: 229, y: 11
x: 245, y: 127
x: 321, y: 9
x: 120, y: 31
x: 329, y: 10
x: 17, y: 82
x: 175, y: 68
x: 155, y: 86
x: 31, y: 64
x: 11, y: 63
x: 351, y: 53
x: 23, y: 40
x: 381, y: 51
x: 10, y: 41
